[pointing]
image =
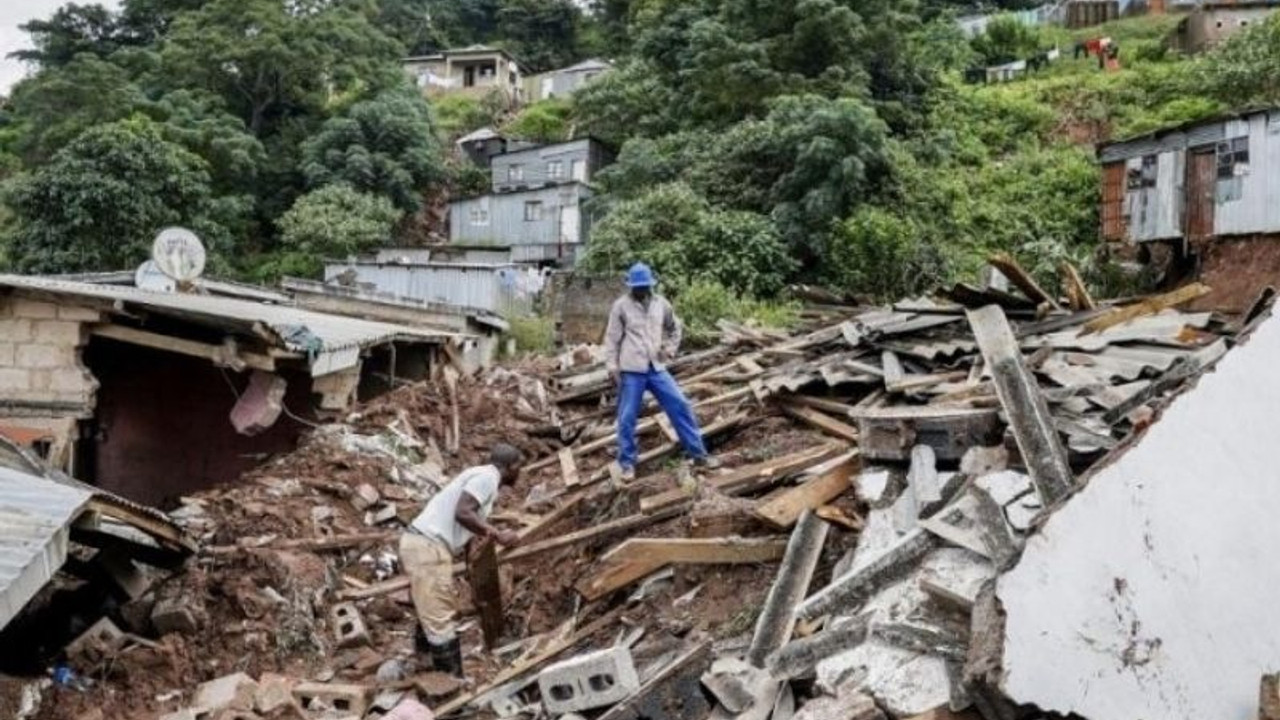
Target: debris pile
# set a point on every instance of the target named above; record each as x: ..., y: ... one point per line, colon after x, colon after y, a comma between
x: 881, y: 468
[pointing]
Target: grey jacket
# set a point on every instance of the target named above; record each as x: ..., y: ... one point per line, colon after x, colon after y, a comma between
x: 641, y: 335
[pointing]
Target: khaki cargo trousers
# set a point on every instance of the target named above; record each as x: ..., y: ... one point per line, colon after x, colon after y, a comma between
x: 429, y: 565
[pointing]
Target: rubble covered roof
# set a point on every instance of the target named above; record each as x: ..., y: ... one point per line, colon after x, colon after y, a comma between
x: 294, y: 329
x: 35, y: 515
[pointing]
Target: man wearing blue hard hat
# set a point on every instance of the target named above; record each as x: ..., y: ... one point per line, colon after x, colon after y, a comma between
x: 643, y: 335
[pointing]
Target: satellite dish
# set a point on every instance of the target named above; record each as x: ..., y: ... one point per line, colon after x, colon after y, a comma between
x: 179, y: 254
x: 149, y: 277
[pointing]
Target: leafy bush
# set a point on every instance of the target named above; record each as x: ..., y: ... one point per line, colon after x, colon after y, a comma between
x: 1006, y: 40
x: 546, y: 121
x: 703, y: 303
x: 685, y: 239
x: 532, y: 333
x: 457, y: 115
x: 883, y: 254
x: 334, y: 221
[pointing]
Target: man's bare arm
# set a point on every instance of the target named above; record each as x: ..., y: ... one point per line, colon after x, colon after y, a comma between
x: 468, y: 516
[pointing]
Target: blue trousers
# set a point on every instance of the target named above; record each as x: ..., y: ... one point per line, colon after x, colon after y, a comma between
x: 670, y: 399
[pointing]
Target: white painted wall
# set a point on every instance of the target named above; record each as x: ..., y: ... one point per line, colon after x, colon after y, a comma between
x: 1152, y: 594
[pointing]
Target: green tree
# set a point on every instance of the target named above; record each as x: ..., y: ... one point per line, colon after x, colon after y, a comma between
x: 58, y: 103
x: 1246, y: 69
x: 71, y: 30
x: 546, y: 121
x: 1006, y: 40
x: 542, y: 34
x: 333, y: 221
x: 384, y: 146
x: 98, y: 203
x: 274, y: 62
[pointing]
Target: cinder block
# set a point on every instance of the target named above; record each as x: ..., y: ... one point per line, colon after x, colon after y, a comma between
x: 234, y: 692
x: 101, y: 637
x: 172, y: 615
x: 42, y: 356
x: 23, y: 308
x: 77, y: 313
x: 274, y: 692
x: 339, y: 697
x: 57, y: 332
x: 364, y: 497
x: 386, y: 513
x: 70, y: 380
x: 16, y: 330
x: 348, y: 626
x: 8, y: 354
x: 588, y: 681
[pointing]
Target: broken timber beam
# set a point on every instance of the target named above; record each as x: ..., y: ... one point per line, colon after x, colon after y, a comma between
x: 1078, y: 296
x: 829, y: 482
x: 777, y: 618
x: 223, y: 355
x: 1023, y: 403
x: 637, y: 558
x: 822, y: 421
x: 630, y: 522
x: 1149, y: 306
x: 748, y: 478
x: 1021, y: 279
x: 336, y: 542
x: 889, y: 433
x: 823, y: 404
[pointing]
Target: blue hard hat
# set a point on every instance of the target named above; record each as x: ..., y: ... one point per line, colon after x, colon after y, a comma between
x: 640, y: 275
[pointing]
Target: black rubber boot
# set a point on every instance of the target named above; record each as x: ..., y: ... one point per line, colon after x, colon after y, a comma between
x: 420, y: 643
x: 447, y: 657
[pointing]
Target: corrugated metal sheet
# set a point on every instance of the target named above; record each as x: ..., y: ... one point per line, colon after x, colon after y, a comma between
x: 496, y: 288
x: 501, y: 219
x: 547, y: 164
x: 321, y: 336
x: 35, y: 515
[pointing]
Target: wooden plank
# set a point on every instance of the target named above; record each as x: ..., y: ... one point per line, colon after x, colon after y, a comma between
x: 634, y: 559
x: 1021, y: 279
x: 785, y: 508
x: 383, y: 588
x: 916, y: 382
x: 486, y: 592
x: 775, y: 469
x: 221, y: 355
x: 824, y: 404
x: 637, y: 521
x: 665, y: 449
x: 1149, y: 306
x: 568, y: 467
x: 664, y: 424
x: 336, y: 542
x: 825, y: 423
x: 1024, y: 405
x: 1078, y: 296
x: 892, y: 368
x: 750, y: 366
x: 520, y: 668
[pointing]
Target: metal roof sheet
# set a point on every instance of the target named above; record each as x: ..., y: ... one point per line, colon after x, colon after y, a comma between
x: 35, y: 519
x: 295, y: 329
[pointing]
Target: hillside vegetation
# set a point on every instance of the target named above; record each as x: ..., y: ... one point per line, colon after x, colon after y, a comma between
x: 760, y: 143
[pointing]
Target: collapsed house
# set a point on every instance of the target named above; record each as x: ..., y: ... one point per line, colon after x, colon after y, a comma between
x: 912, y: 497
x: 156, y: 394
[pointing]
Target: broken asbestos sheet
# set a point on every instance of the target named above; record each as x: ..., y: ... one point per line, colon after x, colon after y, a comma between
x: 1152, y: 589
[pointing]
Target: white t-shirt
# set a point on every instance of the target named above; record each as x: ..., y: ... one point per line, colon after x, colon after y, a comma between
x: 438, y: 518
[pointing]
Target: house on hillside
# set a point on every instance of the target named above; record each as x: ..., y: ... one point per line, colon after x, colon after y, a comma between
x: 1210, y: 23
x: 565, y: 81
x: 542, y: 225
x: 476, y: 70
x: 541, y: 165
x: 1201, y: 198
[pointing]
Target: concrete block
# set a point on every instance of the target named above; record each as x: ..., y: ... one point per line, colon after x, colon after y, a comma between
x: 348, y: 626
x: 386, y: 513
x: 57, y: 332
x: 274, y: 692
x: 8, y: 353
x: 234, y: 692
x: 42, y: 356
x: 16, y: 330
x: 23, y: 308
x: 72, y: 380
x: 588, y: 681
x: 126, y: 575
x: 173, y: 615
x: 101, y: 637
x: 364, y: 497
x: 78, y: 314
x: 339, y: 697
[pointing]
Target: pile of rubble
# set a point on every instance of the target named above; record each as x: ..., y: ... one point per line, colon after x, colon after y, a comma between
x: 882, y: 467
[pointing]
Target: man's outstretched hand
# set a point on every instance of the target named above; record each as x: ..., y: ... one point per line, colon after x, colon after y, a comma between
x: 507, y: 538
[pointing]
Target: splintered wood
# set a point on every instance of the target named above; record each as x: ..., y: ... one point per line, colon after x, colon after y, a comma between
x: 635, y: 559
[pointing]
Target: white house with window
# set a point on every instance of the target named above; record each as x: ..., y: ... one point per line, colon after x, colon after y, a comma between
x: 546, y: 225
x: 571, y: 161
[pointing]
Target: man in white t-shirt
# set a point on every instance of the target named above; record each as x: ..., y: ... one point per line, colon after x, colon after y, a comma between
x: 441, y: 531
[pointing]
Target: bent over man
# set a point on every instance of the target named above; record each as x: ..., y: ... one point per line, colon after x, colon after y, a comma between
x: 643, y: 335
x: 441, y: 531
